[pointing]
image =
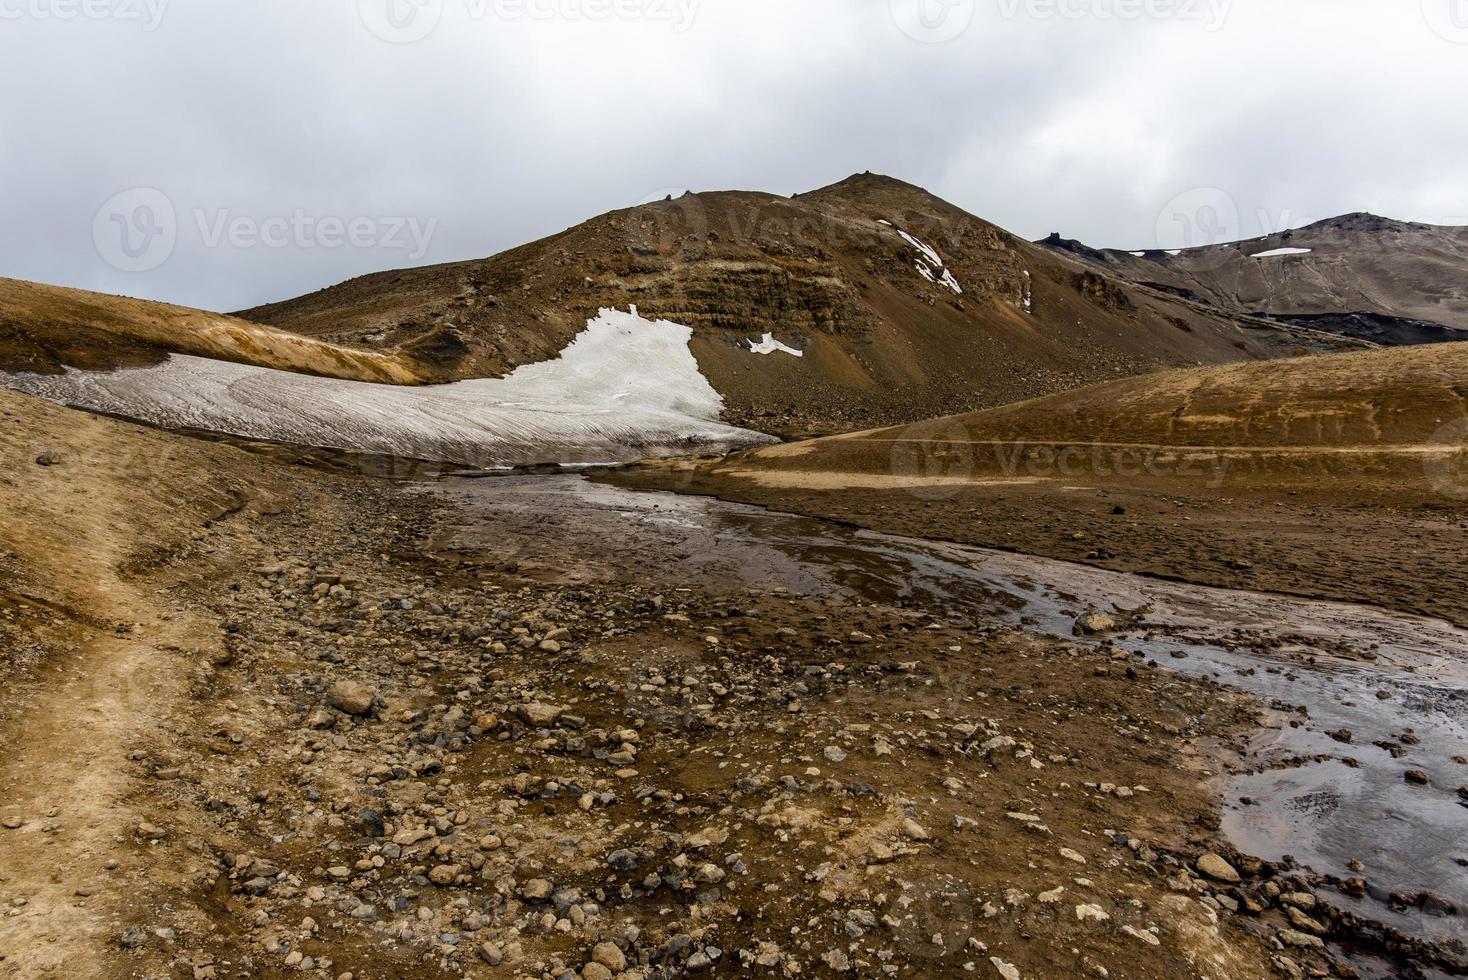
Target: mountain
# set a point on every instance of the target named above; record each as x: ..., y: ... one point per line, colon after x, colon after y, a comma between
x: 1358, y: 275
x: 866, y: 302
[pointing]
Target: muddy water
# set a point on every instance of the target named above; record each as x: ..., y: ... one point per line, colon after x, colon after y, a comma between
x: 1321, y: 667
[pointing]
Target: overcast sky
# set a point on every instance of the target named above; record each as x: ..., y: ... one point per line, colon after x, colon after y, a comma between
x: 224, y: 153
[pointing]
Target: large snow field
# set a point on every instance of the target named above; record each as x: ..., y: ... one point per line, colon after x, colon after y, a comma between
x: 626, y: 388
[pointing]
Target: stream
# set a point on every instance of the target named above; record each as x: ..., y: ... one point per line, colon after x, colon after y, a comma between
x: 1395, y: 685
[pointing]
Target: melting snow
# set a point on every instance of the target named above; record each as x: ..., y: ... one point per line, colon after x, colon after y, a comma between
x: 1280, y: 251
x: 625, y: 388
x: 930, y: 266
x: 1139, y: 255
x: 1174, y: 251
x: 769, y: 345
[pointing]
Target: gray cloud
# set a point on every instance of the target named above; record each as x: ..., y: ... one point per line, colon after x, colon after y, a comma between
x: 297, y: 144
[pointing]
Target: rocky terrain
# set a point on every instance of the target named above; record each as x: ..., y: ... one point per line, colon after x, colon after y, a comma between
x: 1358, y: 275
x: 322, y: 724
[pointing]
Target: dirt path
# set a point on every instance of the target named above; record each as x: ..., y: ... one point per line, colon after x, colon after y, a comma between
x: 64, y: 780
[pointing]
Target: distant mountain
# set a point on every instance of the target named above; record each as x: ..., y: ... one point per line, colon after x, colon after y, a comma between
x: 1357, y: 275
x: 898, y: 305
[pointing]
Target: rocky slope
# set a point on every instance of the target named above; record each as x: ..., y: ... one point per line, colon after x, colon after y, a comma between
x: 899, y: 304
x: 1359, y: 275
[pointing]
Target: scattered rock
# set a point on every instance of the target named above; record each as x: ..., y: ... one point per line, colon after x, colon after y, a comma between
x: 1218, y: 869
x: 351, y: 697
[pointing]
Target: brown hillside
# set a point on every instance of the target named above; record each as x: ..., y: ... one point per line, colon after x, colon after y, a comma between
x: 821, y: 273
x: 46, y: 328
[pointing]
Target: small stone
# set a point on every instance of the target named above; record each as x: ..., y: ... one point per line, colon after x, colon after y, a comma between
x: 539, y: 715
x: 1416, y: 777
x: 1141, y: 934
x: 1218, y: 869
x: 445, y: 875
x: 1006, y: 970
x: 1094, y: 624
x: 610, y: 956
x: 537, y: 889
x: 351, y: 697
x: 48, y: 459
x: 1291, y: 937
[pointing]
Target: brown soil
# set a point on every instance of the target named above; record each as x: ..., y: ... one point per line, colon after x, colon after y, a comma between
x: 546, y: 768
x: 1341, y: 477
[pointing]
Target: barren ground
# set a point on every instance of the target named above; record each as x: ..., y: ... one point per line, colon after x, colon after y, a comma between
x: 327, y: 725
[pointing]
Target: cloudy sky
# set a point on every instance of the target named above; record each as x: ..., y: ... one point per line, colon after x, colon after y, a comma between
x: 220, y: 153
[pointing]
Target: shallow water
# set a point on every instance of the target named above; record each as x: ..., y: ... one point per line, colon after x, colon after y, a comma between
x: 1329, y: 658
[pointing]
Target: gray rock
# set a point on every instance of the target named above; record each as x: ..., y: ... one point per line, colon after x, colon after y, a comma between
x: 1218, y: 869
x: 351, y: 697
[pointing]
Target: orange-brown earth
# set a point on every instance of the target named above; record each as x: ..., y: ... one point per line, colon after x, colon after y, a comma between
x: 45, y: 329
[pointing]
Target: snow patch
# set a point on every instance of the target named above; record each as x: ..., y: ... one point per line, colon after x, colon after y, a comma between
x: 1174, y: 251
x: 1138, y: 255
x: 623, y: 389
x: 769, y: 345
x: 1280, y: 251
x: 930, y: 265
